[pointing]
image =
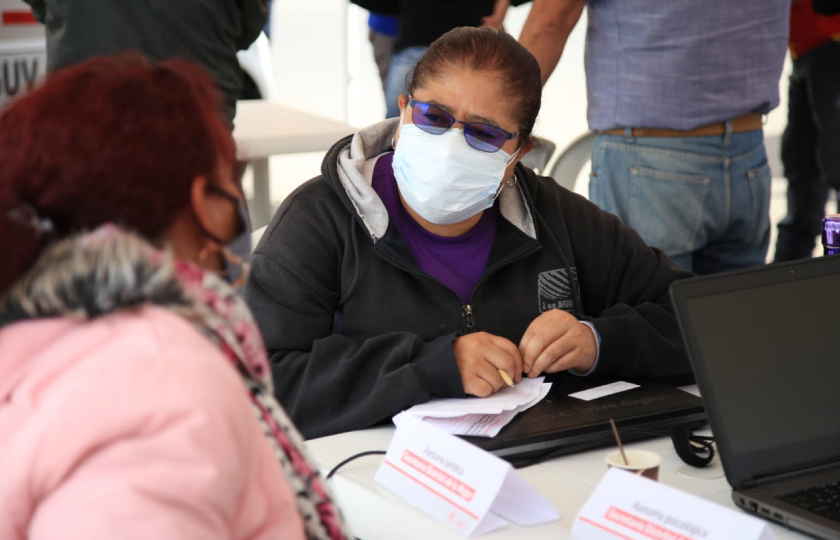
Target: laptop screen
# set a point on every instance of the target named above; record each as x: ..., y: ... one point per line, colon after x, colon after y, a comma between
x: 765, y: 345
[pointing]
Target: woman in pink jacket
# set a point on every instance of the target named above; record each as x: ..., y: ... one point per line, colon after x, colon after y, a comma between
x: 135, y: 395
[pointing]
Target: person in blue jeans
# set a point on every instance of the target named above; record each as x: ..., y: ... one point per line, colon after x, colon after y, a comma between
x: 676, y: 92
x: 704, y: 201
x: 421, y: 23
x: 810, y: 142
x: 382, y: 34
x: 402, y: 62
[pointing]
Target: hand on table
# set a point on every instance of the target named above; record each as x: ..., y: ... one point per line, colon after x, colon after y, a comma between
x: 557, y: 341
x: 480, y: 356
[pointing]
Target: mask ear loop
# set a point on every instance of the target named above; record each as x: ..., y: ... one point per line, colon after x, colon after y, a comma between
x: 513, y: 157
x: 508, y: 183
x: 242, y: 217
x: 399, y: 128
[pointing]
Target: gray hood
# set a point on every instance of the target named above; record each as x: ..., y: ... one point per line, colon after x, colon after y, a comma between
x: 355, y: 171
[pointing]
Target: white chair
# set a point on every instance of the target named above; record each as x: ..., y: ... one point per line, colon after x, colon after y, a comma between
x: 538, y: 157
x: 569, y: 163
x: 256, y: 235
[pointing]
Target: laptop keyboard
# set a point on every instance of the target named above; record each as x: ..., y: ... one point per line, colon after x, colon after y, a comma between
x: 823, y: 500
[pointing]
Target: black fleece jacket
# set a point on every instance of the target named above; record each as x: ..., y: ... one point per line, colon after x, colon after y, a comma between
x: 205, y: 32
x: 356, y: 332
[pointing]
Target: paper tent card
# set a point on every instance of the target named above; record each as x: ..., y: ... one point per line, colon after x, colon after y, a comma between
x: 630, y: 507
x: 457, y: 483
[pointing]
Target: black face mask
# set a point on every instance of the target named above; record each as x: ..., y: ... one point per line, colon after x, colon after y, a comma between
x: 237, y: 252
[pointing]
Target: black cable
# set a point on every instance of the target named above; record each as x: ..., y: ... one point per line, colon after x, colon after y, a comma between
x: 695, y: 450
x: 351, y: 458
x: 698, y: 444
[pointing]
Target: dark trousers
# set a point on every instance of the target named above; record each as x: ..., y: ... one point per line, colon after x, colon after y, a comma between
x: 810, y: 149
x: 383, y: 50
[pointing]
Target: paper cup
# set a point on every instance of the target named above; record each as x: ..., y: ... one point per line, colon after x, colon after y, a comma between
x: 641, y: 462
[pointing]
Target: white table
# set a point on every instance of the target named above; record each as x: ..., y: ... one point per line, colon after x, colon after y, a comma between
x: 263, y: 129
x: 375, y: 514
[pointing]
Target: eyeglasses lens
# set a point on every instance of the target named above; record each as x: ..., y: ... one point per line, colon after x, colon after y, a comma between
x: 484, y: 137
x: 434, y: 120
x: 431, y: 119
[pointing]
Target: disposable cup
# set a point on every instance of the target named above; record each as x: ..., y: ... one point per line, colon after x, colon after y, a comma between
x: 641, y: 462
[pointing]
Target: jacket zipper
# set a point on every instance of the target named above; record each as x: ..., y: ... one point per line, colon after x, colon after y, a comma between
x: 468, y: 313
x: 467, y: 308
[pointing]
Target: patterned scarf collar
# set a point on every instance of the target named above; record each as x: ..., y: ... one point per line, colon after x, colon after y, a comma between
x: 109, y: 270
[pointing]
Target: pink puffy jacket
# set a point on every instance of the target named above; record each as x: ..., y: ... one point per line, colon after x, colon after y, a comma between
x: 131, y: 426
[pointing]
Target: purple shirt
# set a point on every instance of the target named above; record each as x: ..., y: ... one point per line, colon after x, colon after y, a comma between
x: 457, y: 262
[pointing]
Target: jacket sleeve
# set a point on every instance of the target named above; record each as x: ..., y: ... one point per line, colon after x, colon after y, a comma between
x: 326, y: 381
x: 625, y: 290
x: 254, y: 18
x: 39, y: 9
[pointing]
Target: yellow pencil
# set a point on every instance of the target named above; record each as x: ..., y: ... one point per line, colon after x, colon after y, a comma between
x: 506, y: 377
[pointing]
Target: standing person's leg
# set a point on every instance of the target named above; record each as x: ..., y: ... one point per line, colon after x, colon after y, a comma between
x: 743, y: 240
x: 806, y: 192
x: 669, y: 189
x: 825, y: 97
x: 383, y: 51
x: 401, y: 65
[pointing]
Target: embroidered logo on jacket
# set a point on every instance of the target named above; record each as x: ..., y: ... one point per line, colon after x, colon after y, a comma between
x: 555, y: 290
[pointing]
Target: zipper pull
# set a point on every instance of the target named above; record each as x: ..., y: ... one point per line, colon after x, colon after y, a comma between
x: 469, y: 314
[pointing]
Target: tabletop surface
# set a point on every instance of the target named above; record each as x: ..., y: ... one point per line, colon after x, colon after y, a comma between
x: 264, y: 128
x: 374, y: 513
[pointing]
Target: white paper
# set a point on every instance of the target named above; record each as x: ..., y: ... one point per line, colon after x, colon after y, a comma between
x: 604, y: 391
x: 521, y: 504
x: 506, y: 399
x: 441, y: 413
x: 631, y: 507
x: 458, y: 483
x: 476, y: 425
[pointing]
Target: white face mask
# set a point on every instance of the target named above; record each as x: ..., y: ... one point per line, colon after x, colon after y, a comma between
x: 443, y: 178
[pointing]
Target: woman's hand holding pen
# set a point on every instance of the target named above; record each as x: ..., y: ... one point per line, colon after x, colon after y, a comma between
x: 481, y: 357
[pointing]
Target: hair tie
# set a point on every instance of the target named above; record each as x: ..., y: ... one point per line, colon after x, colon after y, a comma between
x: 26, y: 215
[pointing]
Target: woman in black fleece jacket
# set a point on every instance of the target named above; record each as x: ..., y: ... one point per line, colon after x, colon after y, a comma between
x: 365, y: 284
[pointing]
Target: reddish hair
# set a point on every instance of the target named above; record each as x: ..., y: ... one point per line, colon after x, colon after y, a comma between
x: 108, y: 140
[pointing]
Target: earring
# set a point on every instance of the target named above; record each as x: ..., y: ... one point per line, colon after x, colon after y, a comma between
x: 204, y: 254
x: 511, y: 182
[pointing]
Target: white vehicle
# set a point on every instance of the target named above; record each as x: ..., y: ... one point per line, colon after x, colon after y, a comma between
x: 23, y: 56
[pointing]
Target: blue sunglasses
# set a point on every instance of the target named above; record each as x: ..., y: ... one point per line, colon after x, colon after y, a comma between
x: 434, y: 120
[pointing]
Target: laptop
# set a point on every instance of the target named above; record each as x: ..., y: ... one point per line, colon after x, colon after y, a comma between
x: 560, y: 424
x: 764, y: 344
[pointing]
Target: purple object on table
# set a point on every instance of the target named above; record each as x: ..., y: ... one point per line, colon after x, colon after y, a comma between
x: 831, y: 234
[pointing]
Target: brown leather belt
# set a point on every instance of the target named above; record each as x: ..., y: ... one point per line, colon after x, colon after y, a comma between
x: 747, y: 122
